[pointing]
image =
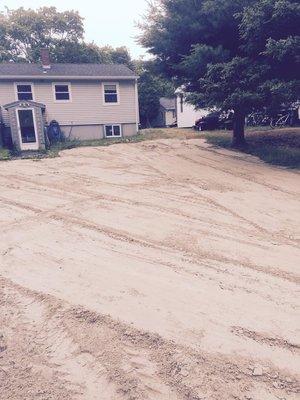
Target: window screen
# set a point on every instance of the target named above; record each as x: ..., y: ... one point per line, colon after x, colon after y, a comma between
x: 62, y: 92
x: 110, y: 94
x: 113, y: 131
x: 24, y: 92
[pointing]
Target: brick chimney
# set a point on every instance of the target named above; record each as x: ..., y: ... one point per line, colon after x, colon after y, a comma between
x: 45, y: 59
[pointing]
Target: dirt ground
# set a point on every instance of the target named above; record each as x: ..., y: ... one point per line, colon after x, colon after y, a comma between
x: 162, y: 270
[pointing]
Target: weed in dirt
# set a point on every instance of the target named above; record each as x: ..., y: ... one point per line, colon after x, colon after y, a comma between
x: 5, y: 155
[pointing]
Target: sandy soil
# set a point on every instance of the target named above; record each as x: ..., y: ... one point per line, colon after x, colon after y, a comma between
x: 164, y: 270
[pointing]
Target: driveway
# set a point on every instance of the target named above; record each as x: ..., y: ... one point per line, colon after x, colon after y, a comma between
x: 161, y: 270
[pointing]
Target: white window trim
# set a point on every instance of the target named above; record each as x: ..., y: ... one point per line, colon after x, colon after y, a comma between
x: 27, y: 146
x: 118, y: 93
x: 113, y: 136
x: 16, y: 84
x: 61, y: 84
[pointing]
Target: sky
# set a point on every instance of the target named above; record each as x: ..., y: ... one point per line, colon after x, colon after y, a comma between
x: 106, y: 22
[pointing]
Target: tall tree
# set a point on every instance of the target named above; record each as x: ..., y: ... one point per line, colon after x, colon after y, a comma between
x: 23, y: 32
x: 152, y: 86
x: 231, y: 54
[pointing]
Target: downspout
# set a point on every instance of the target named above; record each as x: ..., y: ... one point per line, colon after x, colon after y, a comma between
x: 137, y: 109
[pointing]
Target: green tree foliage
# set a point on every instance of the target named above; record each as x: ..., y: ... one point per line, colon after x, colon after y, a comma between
x: 152, y: 86
x: 231, y: 54
x: 23, y: 32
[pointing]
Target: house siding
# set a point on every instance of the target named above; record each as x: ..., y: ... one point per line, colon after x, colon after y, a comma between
x: 187, y: 114
x: 7, y: 95
x: 170, y: 118
x: 92, y: 132
x: 86, y: 107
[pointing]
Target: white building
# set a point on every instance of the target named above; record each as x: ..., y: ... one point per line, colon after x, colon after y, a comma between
x: 187, y: 115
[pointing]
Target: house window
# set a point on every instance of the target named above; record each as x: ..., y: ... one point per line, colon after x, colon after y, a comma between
x: 113, y: 131
x: 111, y: 94
x: 62, y: 92
x: 24, y: 92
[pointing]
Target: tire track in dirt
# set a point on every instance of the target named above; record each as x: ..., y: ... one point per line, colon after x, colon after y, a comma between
x: 20, y: 205
x: 135, y: 364
x: 90, y: 196
x: 206, y: 199
x: 265, y: 233
x: 217, y: 205
x: 270, y: 341
x: 245, y: 176
x: 206, y: 268
x: 140, y: 241
x: 85, y: 371
x: 195, y: 257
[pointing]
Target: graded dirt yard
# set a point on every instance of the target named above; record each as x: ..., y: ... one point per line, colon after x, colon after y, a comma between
x: 160, y: 270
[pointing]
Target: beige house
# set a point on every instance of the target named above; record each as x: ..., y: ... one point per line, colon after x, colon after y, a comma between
x: 89, y: 101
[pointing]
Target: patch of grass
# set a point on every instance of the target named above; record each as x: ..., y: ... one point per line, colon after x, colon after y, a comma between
x: 283, y: 155
x: 29, y: 155
x: 169, y: 133
x: 218, y: 138
x: 5, y: 155
x: 277, y: 147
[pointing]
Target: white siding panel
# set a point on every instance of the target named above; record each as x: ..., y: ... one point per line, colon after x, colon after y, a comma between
x: 7, y: 95
x: 170, y: 118
x: 187, y: 114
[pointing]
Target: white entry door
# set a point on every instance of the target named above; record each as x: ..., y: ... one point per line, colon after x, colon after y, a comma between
x: 27, y: 129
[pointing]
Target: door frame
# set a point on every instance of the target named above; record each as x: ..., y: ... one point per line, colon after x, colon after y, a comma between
x: 27, y: 146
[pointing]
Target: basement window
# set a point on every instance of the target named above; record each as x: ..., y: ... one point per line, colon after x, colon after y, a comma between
x: 24, y: 91
x: 113, y: 131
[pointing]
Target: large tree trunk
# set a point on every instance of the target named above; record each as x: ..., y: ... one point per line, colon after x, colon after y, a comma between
x: 238, y: 139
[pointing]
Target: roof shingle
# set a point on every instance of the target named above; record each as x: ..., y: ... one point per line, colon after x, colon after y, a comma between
x: 66, y: 70
x: 168, y: 103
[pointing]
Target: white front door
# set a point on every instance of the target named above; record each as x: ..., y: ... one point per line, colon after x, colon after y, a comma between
x: 27, y: 129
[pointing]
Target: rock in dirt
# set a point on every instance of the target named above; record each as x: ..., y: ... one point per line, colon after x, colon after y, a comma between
x: 257, y: 371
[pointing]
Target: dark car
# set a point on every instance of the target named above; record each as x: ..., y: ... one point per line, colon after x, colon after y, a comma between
x: 214, y: 120
x: 209, y: 122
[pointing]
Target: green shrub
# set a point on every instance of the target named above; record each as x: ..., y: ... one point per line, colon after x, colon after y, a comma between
x: 5, y: 155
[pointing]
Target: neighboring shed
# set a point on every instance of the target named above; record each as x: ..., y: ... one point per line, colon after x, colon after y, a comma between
x: 167, y: 112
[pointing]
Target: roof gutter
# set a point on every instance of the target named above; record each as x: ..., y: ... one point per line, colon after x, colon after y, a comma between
x: 67, y: 77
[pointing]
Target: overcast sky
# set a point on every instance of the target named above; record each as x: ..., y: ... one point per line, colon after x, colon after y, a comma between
x: 106, y: 21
